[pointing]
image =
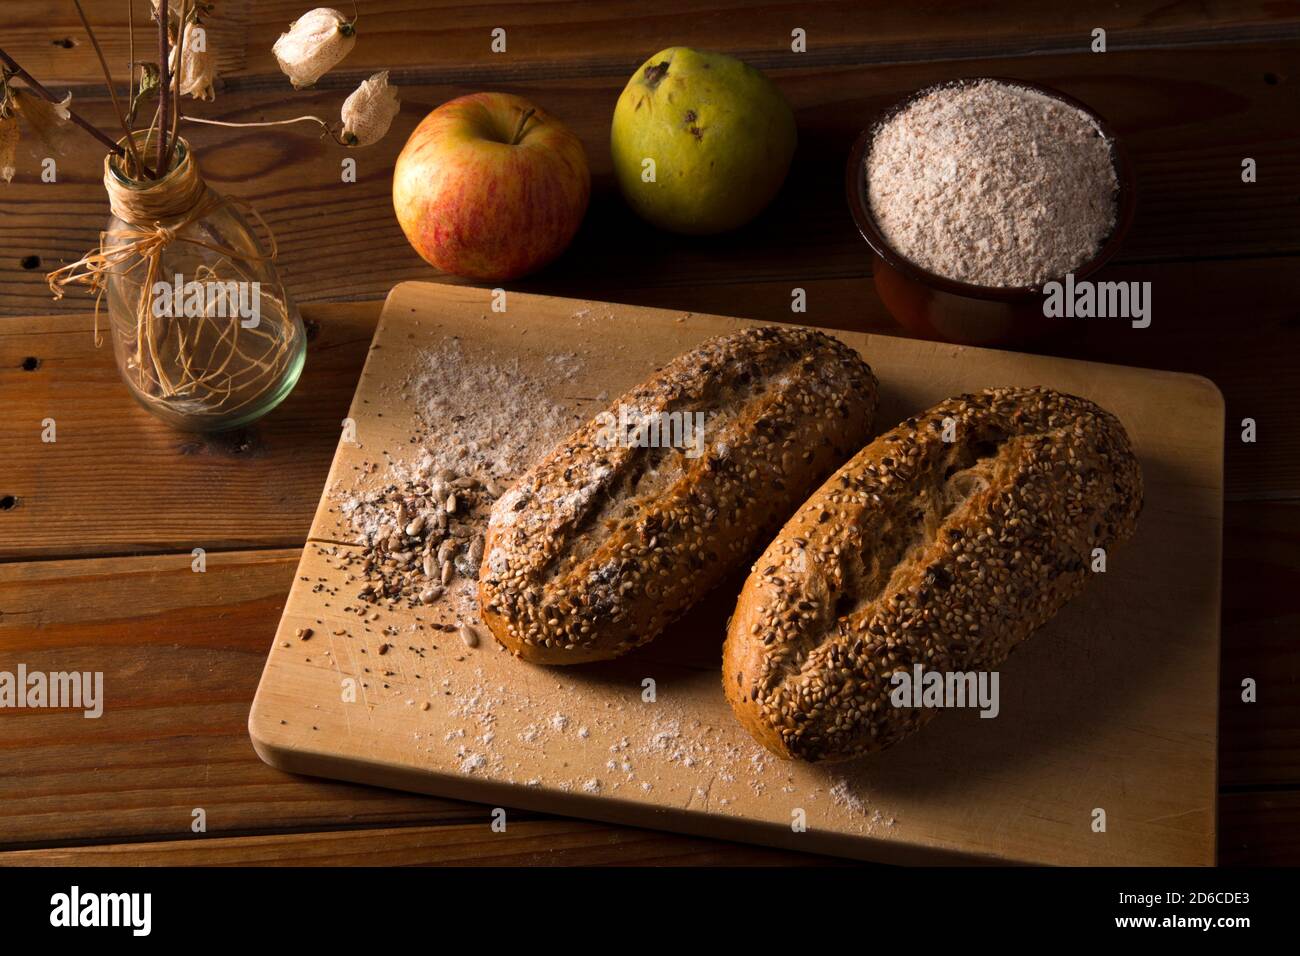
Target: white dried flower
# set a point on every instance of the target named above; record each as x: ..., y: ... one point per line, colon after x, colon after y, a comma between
x: 198, y: 69
x: 8, y: 146
x: 314, y: 45
x: 369, y: 111
x: 47, y: 120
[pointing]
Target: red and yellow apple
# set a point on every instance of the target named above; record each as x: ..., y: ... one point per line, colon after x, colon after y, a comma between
x: 490, y: 187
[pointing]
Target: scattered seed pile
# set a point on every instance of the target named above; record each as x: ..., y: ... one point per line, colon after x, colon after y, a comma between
x: 481, y: 424
x: 992, y: 184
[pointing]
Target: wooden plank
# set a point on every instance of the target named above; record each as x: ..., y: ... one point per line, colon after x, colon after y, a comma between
x: 1257, y: 829
x: 1261, y: 617
x: 180, y: 653
x: 1260, y: 828
x: 258, y: 487
x: 1187, y: 120
x: 1108, y: 711
x: 47, y: 37
x: 117, y: 480
x: 138, y: 771
x: 524, y: 843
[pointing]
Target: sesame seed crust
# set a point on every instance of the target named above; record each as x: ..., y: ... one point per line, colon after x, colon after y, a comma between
x: 945, y: 554
x: 599, y: 546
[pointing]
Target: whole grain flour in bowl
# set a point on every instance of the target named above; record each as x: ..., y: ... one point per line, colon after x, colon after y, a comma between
x: 992, y: 184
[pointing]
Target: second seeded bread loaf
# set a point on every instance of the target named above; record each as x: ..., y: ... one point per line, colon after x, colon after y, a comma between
x: 600, y: 545
x: 923, y: 551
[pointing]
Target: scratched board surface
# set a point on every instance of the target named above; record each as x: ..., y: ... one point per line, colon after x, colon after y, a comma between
x: 1111, y: 706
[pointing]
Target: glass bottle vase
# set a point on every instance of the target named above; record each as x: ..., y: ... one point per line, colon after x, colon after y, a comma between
x: 205, y: 335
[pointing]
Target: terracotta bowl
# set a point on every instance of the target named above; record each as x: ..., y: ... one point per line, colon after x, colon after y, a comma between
x: 932, y: 306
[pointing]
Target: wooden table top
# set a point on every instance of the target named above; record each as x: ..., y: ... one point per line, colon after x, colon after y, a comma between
x: 97, y: 528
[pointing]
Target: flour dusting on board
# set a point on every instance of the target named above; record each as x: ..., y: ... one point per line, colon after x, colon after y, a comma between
x: 479, y: 423
x: 490, y: 418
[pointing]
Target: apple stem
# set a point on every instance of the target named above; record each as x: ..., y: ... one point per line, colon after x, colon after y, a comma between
x: 523, y: 121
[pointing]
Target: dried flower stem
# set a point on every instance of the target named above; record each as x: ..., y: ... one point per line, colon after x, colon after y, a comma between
x: 148, y: 133
x: 36, y: 87
x: 284, y: 122
x: 164, y: 86
x: 176, y: 90
x: 108, y: 81
x: 130, y: 56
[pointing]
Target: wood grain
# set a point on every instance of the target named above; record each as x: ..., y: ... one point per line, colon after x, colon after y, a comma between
x: 1258, y: 829
x: 256, y: 488
x: 524, y: 843
x: 180, y: 653
x: 137, y: 773
x: 46, y: 36
x: 136, y: 485
x: 1220, y: 255
x: 1187, y: 128
x: 1261, y: 617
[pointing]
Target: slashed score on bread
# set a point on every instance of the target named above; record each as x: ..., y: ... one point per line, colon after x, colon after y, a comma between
x: 604, y: 542
x: 925, y: 551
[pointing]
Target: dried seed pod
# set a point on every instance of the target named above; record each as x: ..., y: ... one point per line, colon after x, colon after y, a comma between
x: 429, y: 595
x: 198, y: 65
x: 47, y: 120
x: 316, y: 42
x: 445, y: 551
x: 8, y: 147
x: 447, y: 572
x: 415, y: 526
x: 430, y: 566
x: 469, y: 634
x: 369, y: 111
x: 451, y: 503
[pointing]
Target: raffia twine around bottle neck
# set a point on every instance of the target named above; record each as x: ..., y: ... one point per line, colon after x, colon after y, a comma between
x: 177, y: 199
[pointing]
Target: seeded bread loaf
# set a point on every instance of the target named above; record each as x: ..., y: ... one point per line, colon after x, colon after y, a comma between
x: 945, y: 554
x: 603, y: 543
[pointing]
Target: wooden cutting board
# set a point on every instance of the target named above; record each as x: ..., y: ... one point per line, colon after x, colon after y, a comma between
x: 1112, y: 707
